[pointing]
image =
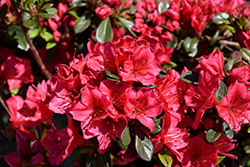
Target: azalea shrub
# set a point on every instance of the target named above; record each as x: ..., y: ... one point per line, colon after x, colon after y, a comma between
x: 125, y: 82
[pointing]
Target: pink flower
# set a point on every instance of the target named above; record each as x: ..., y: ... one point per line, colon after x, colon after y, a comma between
x: 200, y: 154
x: 61, y: 143
x: 234, y: 108
x: 103, y: 11
x: 143, y: 105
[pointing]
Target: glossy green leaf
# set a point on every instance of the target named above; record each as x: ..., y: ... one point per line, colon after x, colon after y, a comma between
x: 14, y: 92
x: 22, y: 44
x: 169, y: 65
x: 234, y: 58
x: 46, y: 36
x: 190, y: 46
x: 122, y: 145
x: 190, y: 77
x: 220, y: 18
x: 212, y: 135
x: 51, y: 45
x: 47, y: 5
x: 111, y: 76
x: 214, y: 39
x: 166, y: 160
x: 104, y: 31
x: 221, y: 91
x: 220, y: 158
x: 33, y: 33
x: 157, y: 129
x: 144, y: 147
x: 128, y: 24
x: 15, y: 31
x: 125, y: 136
x: 163, y: 6
x: 60, y: 121
x: 30, y: 23
x: 82, y: 24
x: 45, y: 15
x: 73, y: 158
x: 245, y: 53
x: 173, y: 43
x: 52, y: 11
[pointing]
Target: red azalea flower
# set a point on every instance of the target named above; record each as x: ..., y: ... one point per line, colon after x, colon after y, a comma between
x: 115, y: 92
x: 61, y: 143
x: 213, y: 63
x: 202, y: 96
x: 169, y: 88
x: 234, y: 108
x: 143, y: 105
x: 173, y: 137
x: 108, y: 129
x: 23, y: 112
x: 103, y: 11
x: 94, y: 106
x: 240, y: 74
x: 17, y: 71
x: 28, y: 147
x: 141, y: 66
x: 224, y: 144
x: 199, y: 154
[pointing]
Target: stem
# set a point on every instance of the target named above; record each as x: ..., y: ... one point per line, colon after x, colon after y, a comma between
x: 32, y: 47
x: 4, y: 105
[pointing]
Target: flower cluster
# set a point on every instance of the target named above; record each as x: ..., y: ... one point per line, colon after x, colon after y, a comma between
x: 152, y: 80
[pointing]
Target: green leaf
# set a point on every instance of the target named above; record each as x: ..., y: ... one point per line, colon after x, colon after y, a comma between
x: 169, y: 65
x: 86, y: 149
x: 190, y: 46
x: 30, y: 23
x: 163, y: 6
x: 60, y: 121
x: 51, y: 45
x: 45, y: 15
x: 33, y: 33
x: 248, y: 130
x: 122, y: 145
x: 15, y: 31
x: 82, y: 24
x: 173, y: 43
x: 166, y: 160
x: 144, y: 147
x: 52, y: 11
x: 104, y: 31
x: 220, y: 158
x: 22, y: 44
x: 221, y: 91
x: 47, y: 5
x: 73, y: 158
x: 214, y: 39
x: 157, y: 129
x: 3, y: 11
x: 14, y: 92
x: 125, y: 136
x: 73, y: 13
x: 46, y: 36
x: 190, y: 77
x: 220, y: 18
x: 212, y: 135
x: 111, y: 76
x: 234, y: 58
x: 128, y: 24
x: 245, y: 53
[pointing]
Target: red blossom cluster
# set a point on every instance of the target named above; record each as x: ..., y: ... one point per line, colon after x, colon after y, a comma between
x: 120, y: 100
